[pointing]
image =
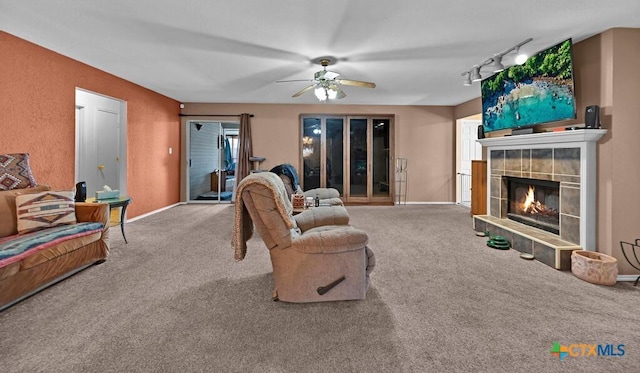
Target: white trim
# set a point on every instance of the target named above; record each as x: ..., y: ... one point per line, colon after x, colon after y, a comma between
x: 585, y: 135
x: 155, y: 212
x: 426, y: 203
x: 627, y: 277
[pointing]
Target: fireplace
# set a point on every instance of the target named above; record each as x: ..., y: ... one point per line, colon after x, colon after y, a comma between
x: 563, y: 165
x: 534, y: 202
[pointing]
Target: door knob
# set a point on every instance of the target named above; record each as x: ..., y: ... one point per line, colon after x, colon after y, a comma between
x: 100, y: 167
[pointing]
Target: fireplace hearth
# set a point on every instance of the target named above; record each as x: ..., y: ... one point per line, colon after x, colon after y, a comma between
x: 534, y: 202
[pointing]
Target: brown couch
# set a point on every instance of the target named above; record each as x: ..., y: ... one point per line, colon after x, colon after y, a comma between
x: 41, y: 267
x: 316, y: 256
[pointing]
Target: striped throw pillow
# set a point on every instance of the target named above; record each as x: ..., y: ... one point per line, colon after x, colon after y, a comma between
x: 44, y: 210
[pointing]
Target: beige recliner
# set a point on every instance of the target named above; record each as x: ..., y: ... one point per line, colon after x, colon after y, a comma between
x: 316, y: 256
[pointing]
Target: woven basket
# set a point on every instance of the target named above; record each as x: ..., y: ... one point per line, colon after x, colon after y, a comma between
x: 593, y: 267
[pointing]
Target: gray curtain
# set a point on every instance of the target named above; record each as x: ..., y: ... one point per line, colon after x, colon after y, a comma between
x: 243, y: 168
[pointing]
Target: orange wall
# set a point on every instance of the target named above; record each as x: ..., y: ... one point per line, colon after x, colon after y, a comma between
x: 425, y: 135
x: 37, y: 102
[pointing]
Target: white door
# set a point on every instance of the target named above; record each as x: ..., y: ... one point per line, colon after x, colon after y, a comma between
x: 100, y: 140
x: 470, y: 150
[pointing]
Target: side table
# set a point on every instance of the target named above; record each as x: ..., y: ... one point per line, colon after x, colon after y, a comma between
x: 122, y: 202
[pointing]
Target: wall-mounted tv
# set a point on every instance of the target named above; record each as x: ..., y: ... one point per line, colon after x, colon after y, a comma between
x: 539, y: 91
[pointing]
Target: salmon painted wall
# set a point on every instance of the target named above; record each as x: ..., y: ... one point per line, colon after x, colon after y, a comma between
x: 37, y: 102
x: 425, y: 135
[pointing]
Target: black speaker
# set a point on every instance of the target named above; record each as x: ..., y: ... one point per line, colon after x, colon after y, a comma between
x: 480, y: 132
x: 592, y: 116
x: 81, y: 191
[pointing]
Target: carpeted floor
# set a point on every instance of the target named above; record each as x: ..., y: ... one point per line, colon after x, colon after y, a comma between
x: 174, y: 300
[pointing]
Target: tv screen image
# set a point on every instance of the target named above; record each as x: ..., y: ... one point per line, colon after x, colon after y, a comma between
x: 539, y: 91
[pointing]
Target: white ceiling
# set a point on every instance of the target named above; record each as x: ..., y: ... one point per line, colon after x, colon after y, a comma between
x: 234, y: 51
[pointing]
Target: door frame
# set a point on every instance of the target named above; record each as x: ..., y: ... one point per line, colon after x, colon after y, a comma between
x: 225, y: 127
x: 369, y: 198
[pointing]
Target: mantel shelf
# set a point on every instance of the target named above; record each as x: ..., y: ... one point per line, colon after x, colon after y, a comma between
x: 581, y: 135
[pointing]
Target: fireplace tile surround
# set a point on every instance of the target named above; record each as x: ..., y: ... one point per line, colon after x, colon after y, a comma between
x: 566, y: 157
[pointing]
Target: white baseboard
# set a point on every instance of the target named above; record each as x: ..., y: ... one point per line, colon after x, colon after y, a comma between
x: 425, y: 203
x: 627, y: 277
x: 155, y: 212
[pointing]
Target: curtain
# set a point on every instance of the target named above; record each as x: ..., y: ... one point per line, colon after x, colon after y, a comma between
x: 243, y: 168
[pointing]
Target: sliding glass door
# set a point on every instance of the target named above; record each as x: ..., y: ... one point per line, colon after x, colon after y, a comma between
x: 351, y: 154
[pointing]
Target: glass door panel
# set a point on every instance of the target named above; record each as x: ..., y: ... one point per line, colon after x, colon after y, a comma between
x: 358, y: 155
x: 311, y: 152
x: 334, y: 167
x: 380, y: 156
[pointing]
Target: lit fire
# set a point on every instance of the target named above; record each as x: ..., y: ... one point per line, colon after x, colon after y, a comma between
x: 530, y: 205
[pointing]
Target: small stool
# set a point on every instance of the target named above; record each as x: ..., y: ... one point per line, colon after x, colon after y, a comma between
x: 256, y: 163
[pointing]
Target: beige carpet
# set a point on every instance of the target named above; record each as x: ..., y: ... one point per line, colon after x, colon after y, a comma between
x: 174, y: 300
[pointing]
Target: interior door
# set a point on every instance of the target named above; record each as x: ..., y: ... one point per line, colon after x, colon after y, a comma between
x: 100, y: 142
x: 470, y: 150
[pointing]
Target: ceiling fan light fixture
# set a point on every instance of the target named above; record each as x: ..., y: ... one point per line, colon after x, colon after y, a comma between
x: 320, y: 93
x: 331, y: 94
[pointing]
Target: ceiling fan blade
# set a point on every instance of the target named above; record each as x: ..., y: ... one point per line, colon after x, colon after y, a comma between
x: 357, y: 83
x: 294, y: 80
x: 303, y: 90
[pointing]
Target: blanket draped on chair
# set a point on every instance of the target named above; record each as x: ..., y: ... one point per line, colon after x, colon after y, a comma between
x: 243, y: 225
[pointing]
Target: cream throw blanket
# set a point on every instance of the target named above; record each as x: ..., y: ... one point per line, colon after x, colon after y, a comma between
x: 243, y: 228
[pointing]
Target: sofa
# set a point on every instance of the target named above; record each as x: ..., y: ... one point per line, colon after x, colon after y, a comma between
x: 316, y: 255
x: 31, y: 261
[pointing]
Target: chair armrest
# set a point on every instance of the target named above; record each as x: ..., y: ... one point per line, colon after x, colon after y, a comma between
x: 92, y: 212
x: 323, y: 215
x: 339, y: 239
x: 323, y: 193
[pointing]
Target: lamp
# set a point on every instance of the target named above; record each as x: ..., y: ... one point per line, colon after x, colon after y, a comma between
x: 495, y: 63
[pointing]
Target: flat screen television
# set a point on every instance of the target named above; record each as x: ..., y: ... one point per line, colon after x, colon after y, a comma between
x: 539, y: 91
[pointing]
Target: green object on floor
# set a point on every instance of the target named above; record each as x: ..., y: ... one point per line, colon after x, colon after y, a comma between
x: 498, y: 242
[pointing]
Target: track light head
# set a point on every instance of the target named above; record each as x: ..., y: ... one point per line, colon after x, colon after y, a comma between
x: 467, y: 79
x: 475, y: 74
x: 497, y: 65
x: 521, y: 58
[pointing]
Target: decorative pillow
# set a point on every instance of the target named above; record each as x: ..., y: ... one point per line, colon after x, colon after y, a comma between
x: 44, y: 210
x: 15, y: 172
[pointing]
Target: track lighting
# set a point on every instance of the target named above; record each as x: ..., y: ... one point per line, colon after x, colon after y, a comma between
x: 475, y: 74
x: 497, y: 65
x: 494, y: 63
x: 467, y: 79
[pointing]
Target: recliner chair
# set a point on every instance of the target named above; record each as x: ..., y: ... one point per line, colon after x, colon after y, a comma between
x: 316, y: 256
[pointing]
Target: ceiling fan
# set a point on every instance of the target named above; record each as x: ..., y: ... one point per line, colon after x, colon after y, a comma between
x: 326, y: 84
